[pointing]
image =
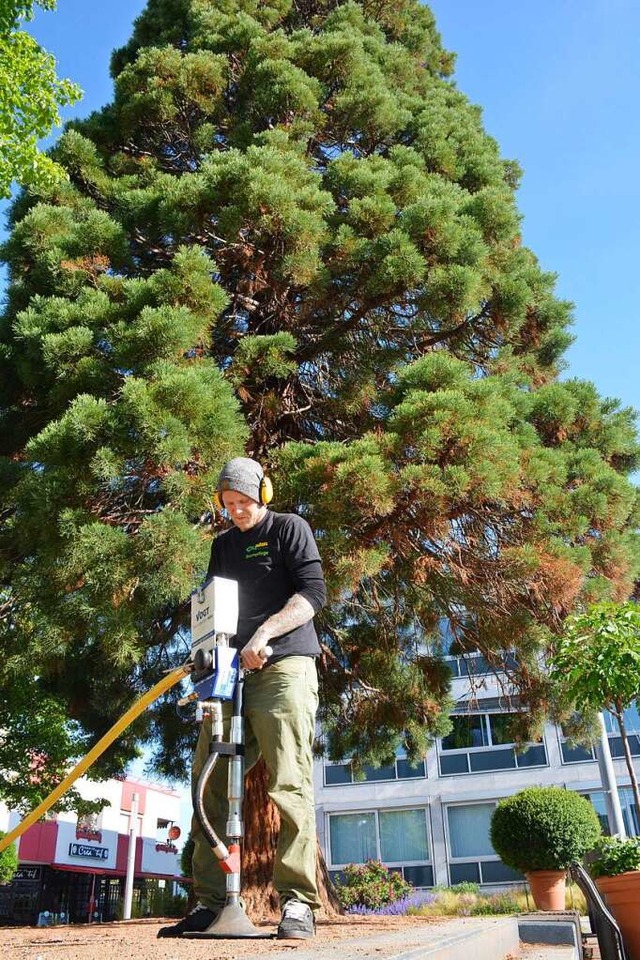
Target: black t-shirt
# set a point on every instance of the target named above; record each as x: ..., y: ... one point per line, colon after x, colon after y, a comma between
x: 272, y: 561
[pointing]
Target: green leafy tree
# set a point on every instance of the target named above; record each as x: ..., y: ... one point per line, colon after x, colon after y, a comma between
x: 289, y: 234
x: 596, y: 664
x: 30, y: 98
x: 38, y: 744
x: 8, y: 861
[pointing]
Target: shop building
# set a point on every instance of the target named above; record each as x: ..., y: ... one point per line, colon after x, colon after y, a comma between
x: 73, y: 870
x: 431, y: 821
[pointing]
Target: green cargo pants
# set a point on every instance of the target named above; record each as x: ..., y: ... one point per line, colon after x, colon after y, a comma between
x: 280, y: 704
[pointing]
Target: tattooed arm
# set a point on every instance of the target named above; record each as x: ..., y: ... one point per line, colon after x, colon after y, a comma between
x: 296, y: 611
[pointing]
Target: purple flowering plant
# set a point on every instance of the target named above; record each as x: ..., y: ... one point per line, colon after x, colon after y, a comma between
x: 399, y: 908
x: 371, y: 886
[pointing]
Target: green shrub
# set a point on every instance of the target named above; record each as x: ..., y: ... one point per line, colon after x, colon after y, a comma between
x: 161, y: 901
x: 186, y: 857
x: 496, y: 904
x: 615, y: 855
x: 543, y: 828
x: 8, y: 861
x: 465, y: 886
x: 448, y: 903
x: 371, y: 885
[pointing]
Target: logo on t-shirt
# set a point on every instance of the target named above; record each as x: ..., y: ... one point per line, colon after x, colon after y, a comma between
x: 260, y: 549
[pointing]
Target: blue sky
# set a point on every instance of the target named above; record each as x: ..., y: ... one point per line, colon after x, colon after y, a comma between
x: 559, y: 85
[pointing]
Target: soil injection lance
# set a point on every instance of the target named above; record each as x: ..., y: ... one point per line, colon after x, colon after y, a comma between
x: 217, y: 676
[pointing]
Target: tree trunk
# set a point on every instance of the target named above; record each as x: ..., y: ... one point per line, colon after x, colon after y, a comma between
x: 629, y: 761
x: 262, y: 825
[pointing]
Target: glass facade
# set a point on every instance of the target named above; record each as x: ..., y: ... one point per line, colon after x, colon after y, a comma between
x: 481, y: 742
x: 471, y: 856
x: 579, y: 753
x: 629, y: 810
x: 336, y: 774
x: 475, y: 665
x: 630, y: 717
x: 397, y: 837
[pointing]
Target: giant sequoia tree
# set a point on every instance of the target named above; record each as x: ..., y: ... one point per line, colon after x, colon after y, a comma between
x: 289, y: 234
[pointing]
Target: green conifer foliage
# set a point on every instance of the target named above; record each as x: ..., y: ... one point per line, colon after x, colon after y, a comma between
x: 289, y: 231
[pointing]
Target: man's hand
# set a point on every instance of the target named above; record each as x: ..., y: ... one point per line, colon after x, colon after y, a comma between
x: 296, y: 611
x: 253, y: 655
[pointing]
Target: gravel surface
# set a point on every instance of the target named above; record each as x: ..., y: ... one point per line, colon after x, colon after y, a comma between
x: 337, y: 939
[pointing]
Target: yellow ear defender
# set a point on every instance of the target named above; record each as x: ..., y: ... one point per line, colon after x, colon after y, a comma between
x: 265, y: 494
x: 265, y: 491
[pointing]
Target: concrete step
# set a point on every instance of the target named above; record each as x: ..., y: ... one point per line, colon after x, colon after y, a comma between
x: 540, y: 951
x: 560, y: 929
x: 468, y: 938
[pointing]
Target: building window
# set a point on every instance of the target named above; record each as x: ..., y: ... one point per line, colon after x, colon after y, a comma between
x: 579, y: 753
x: 125, y: 823
x: 475, y: 665
x: 162, y: 830
x: 480, y: 742
x: 629, y: 811
x: 632, y: 728
x: 631, y: 721
x: 461, y: 655
x: 471, y: 856
x: 336, y: 774
x: 576, y: 753
x: 398, y: 838
x: 598, y: 803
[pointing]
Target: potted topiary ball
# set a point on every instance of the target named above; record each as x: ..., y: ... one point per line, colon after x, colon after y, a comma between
x: 539, y: 831
x: 615, y: 868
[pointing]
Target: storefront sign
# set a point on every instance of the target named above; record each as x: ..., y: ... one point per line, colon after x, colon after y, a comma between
x: 87, y: 852
x: 86, y: 833
x: 28, y: 873
x: 166, y: 848
x: 72, y: 850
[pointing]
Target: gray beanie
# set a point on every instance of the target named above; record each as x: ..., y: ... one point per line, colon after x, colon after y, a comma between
x: 242, y: 475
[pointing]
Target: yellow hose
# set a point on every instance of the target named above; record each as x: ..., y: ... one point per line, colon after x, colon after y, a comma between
x: 161, y: 687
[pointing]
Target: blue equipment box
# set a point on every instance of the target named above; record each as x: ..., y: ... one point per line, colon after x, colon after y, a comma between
x: 220, y: 684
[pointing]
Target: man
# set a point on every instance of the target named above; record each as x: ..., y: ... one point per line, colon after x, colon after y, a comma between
x: 275, y: 560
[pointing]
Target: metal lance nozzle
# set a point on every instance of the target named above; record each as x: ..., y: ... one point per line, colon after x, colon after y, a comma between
x: 235, y: 827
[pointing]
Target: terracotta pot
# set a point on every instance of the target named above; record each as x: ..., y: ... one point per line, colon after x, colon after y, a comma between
x: 622, y: 895
x: 547, y: 888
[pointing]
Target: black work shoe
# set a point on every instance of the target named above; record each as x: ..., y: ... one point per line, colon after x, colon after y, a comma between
x: 297, y: 922
x: 196, y: 920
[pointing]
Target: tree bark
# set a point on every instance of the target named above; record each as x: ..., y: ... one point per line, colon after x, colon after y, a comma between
x: 262, y: 825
